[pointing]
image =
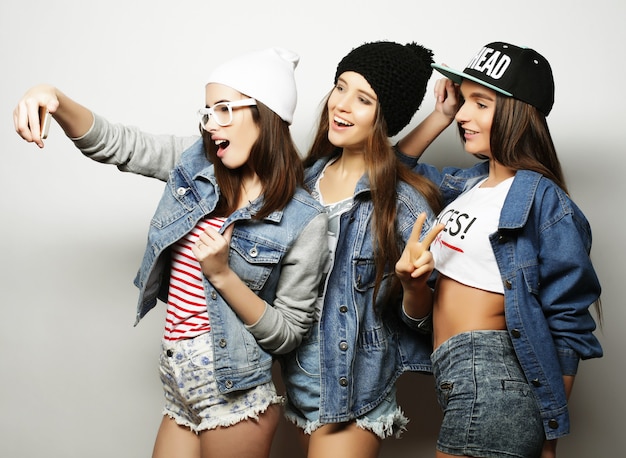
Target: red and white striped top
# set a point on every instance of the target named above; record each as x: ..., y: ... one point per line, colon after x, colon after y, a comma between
x: 187, y: 315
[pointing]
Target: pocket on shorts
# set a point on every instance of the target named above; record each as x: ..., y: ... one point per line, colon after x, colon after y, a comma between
x: 517, y: 386
x: 308, y: 358
x: 202, y: 359
x: 445, y: 389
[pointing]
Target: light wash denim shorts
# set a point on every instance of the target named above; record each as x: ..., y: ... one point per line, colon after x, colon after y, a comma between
x: 488, y: 407
x: 301, y: 375
x: 192, y: 398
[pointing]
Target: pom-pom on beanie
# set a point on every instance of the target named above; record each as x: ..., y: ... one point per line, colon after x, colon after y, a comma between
x: 397, y: 73
x: 266, y: 75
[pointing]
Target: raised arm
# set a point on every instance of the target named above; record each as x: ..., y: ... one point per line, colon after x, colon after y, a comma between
x: 74, y: 119
x: 447, y: 103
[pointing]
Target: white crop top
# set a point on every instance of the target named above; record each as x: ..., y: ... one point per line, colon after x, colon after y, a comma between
x: 462, y: 251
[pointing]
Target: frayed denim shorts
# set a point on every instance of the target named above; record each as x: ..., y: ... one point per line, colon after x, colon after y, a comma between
x: 192, y: 398
x: 488, y: 407
x: 301, y: 375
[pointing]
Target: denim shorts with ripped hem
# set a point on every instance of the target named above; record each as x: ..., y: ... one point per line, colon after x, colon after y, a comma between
x: 301, y: 375
x: 192, y: 398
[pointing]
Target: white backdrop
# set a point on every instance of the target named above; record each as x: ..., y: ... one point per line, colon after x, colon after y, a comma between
x: 77, y: 379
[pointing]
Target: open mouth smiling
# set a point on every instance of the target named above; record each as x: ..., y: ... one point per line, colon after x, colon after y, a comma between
x: 342, y: 122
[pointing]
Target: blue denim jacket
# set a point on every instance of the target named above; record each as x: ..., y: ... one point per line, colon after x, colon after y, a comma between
x: 283, y: 245
x: 362, y: 352
x: 542, y: 248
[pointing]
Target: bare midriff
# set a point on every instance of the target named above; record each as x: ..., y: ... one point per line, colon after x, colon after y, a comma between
x: 460, y: 308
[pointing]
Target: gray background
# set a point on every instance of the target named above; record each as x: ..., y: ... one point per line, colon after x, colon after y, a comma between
x: 77, y: 379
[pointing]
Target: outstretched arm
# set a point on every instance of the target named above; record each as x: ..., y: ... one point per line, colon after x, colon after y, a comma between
x: 126, y: 147
x: 74, y: 119
x: 447, y: 103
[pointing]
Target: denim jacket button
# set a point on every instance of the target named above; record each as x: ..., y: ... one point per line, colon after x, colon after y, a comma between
x: 254, y: 252
x: 181, y: 191
x: 228, y: 384
x: 536, y: 383
x: 343, y: 346
x: 222, y: 343
x: 508, y: 284
x: 343, y: 381
x: 553, y: 424
x: 516, y: 333
x: 343, y: 309
x: 213, y: 295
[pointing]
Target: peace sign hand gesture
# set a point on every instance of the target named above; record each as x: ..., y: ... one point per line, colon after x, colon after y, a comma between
x: 416, y: 260
x: 414, y: 268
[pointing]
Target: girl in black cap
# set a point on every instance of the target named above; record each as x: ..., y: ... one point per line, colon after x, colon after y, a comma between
x: 340, y: 381
x: 515, y: 282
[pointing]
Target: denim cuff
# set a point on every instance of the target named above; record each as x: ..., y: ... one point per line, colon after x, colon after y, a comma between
x: 424, y: 324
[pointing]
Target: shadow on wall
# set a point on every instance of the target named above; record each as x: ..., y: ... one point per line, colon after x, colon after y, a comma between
x: 416, y: 396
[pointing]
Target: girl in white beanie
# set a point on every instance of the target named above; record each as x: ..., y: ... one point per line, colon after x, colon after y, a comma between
x: 233, y: 248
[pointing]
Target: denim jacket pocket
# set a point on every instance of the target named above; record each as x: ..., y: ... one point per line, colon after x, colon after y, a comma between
x: 254, y: 258
x: 364, y: 274
x: 178, y: 200
x: 530, y: 272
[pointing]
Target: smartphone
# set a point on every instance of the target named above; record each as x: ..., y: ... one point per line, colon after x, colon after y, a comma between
x: 44, y: 122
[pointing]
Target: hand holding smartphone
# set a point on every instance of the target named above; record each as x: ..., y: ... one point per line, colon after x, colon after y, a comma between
x: 44, y: 122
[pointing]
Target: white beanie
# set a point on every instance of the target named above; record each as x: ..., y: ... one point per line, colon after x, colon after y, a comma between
x: 267, y: 76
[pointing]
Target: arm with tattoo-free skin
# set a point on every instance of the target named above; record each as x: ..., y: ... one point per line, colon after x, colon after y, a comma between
x: 447, y: 103
x: 74, y: 119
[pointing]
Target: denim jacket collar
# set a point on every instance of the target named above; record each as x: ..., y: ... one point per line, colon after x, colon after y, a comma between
x: 519, y: 200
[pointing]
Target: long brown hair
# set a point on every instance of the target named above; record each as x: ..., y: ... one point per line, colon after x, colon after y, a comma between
x: 384, y: 171
x: 274, y: 158
x: 520, y: 139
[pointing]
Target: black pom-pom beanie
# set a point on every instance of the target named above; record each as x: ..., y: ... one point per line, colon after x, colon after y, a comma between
x: 397, y: 73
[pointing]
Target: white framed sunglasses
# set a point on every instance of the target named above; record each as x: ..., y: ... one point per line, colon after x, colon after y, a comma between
x: 222, y: 112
